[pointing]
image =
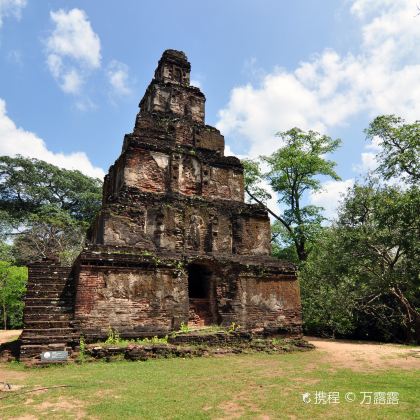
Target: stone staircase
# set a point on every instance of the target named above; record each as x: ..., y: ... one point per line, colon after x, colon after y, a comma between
x: 49, y: 310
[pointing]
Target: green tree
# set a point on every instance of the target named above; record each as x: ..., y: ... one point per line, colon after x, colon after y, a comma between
x: 45, y: 209
x: 12, y: 289
x: 26, y: 185
x: 400, y: 147
x: 49, y: 232
x: 294, y: 170
x: 364, y: 276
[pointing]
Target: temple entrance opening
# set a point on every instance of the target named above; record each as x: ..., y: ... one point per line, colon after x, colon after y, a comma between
x: 202, y: 296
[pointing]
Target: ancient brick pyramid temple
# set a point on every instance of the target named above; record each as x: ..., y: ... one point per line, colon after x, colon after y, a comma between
x: 174, y: 241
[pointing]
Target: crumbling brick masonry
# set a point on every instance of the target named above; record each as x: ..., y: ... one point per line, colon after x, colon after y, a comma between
x: 174, y: 241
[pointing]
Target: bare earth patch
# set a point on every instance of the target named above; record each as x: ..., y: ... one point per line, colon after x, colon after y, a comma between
x: 10, y: 376
x: 63, y: 405
x: 362, y: 356
x: 9, y: 335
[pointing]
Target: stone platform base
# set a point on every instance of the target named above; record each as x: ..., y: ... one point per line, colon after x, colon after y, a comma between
x: 211, y: 344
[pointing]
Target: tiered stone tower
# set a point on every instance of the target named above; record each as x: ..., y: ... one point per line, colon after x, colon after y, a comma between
x: 174, y: 242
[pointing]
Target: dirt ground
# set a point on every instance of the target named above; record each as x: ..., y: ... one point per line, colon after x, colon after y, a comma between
x: 9, y: 335
x: 364, y: 355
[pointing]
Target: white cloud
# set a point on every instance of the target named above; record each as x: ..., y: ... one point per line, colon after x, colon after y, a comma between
x: 15, y: 140
x: 330, y: 196
x: 325, y: 91
x: 11, y: 8
x: 72, y: 81
x: 118, y: 78
x: 196, y: 83
x: 73, y: 37
x: 368, y: 157
x: 73, y: 49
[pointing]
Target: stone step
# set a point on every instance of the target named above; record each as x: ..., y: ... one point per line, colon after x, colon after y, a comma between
x: 52, y: 275
x: 29, y: 351
x: 47, y: 309
x: 27, y: 317
x: 41, y: 324
x: 49, y: 286
x: 46, y: 301
x: 50, y: 295
x: 49, y: 339
x: 35, y: 332
x: 50, y: 279
x: 45, y: 292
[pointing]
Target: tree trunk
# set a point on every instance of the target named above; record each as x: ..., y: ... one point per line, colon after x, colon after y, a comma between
x: 301, y: 251
x: 4, y: 315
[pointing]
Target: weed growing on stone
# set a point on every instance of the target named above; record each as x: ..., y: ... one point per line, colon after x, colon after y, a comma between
x: 184, y: 328
x: 113, y: 336
x: 153, y: 340
x: 82, y: 350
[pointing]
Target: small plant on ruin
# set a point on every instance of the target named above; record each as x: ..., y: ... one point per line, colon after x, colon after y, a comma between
x: 179, y: 268
x: 153, y: 340
x: 113, y: 336
x: 233, y: 327
x: 184, y: 328
x: 82, y: 349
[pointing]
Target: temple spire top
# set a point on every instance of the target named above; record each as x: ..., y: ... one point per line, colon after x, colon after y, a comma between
x: 173, y: 67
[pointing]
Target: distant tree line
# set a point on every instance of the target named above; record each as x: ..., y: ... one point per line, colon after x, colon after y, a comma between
x: 359, y: 275
x: 44, y: 212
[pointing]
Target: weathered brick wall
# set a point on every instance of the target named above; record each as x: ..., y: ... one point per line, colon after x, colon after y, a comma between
x: 152, y: 296
x: 187, y: 174
x: 147, y: 171
x: 271, y: 301
x: 251, y: 236
x: 179, y: 101
x: 131, y: 301
x: 178, y: 131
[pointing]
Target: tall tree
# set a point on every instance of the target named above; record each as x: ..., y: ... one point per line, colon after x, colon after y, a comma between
x: 26, y: 185
x: 370, y: 256
x: 294, y: 171
x: 400, y: 147
x: 47, y: 210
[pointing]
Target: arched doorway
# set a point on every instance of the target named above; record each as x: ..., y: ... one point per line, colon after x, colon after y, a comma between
x: 202, y: 296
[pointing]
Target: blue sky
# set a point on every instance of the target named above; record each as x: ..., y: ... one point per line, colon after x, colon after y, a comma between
x: 72, y: 73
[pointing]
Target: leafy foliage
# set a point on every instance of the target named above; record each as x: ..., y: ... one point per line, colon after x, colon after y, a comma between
x: 293, y: 171
x: 47, y: 210
x: 400, y: 147
x: 27, y: 185
x: 51, y: 231
x: 363, y: 278
x: 12, y: 289
x: 360, y: 276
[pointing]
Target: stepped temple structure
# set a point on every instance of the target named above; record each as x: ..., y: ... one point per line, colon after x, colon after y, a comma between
x: 173, y: 243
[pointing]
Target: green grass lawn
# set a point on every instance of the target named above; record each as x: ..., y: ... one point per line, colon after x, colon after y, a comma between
x: 243, y: 386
